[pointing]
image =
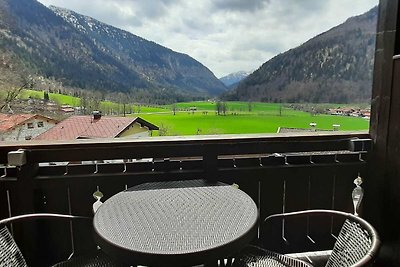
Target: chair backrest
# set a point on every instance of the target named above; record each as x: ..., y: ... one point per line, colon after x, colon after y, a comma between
x: 355, y: 246
x: 10, y: 255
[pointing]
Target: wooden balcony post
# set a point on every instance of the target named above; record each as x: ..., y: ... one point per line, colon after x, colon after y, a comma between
x: 210, y: 165
x: 383, y: 182
x: 25, y: 203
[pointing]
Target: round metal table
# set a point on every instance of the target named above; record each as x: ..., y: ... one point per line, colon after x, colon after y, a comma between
x: 178, y: 223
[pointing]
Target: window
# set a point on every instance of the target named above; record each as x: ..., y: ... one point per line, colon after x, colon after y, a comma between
x: 40, y: 124
x: 30, y: 125
x: 28, y: 137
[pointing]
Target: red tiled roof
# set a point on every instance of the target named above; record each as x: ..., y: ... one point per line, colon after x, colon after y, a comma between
x: 67, y: 110
x: 76, y: 127
x: 8, y: 121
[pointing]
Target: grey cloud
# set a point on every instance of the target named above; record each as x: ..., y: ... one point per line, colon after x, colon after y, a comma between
x: 197, y: 26
x: 256, y: 51
x: 240, y: 5
x: 294, y: 11
x: 153, y: 9
x: 116, y: 19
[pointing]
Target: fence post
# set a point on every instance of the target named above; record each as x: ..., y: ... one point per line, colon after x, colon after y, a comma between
x: 210, y: 163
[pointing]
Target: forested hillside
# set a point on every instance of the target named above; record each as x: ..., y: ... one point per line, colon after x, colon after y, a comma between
x: 335, y: 66
x: 85, y: 53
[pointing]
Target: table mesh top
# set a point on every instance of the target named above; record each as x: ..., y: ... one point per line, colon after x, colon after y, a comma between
x: 175, y: 217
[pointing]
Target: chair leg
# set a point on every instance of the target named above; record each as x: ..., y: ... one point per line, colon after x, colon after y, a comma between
x: 226, y: 262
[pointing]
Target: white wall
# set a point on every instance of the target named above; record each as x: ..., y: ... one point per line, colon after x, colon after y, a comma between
x: 21, y: 132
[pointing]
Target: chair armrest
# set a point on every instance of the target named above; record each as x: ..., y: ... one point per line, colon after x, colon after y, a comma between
x: 311, y: 213
x: 366, y: 225
x: 39, y: 216
x: 337, y: 213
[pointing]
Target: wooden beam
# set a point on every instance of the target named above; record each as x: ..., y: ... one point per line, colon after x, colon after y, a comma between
x: 383, y: 182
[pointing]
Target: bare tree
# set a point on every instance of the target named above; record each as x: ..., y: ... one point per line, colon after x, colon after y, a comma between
x: 122, y: 100
x: 163, y: 130
x: 174, y: 108
x: 95, y: 100
x: 224, y: 108
x: 250, y: 106
x: 84, y: 105
x: 13, y: 80
x: 218, y: 107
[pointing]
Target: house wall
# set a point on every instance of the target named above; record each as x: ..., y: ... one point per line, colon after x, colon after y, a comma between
x: 23, y: 132
x: 135, y: 130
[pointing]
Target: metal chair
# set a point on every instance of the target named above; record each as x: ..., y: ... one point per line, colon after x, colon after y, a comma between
x: 357, y: 244
x: 11, y: 256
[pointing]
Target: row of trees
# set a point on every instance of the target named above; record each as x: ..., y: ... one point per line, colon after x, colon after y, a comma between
x: 221, y: 107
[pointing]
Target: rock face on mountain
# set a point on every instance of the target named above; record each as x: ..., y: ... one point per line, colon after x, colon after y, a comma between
x: 335, y: 66
x: 86, y: 53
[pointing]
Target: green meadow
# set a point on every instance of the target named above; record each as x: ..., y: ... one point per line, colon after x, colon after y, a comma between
x: 104, y: 105
x: 264, y: 118
x: 58, y: 98
x: 233, y: 106
x: 240, y: 117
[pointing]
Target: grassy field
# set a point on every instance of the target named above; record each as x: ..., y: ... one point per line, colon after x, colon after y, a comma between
x: 242, y: 107
x: 104, y: 105
x: 58, y: 98
x: 239, y: 118
x: 265, y: 118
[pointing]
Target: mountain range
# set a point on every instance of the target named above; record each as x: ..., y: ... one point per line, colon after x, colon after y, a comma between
x: 82, y: 52
x: 335, y: 66
x: 86, y: 53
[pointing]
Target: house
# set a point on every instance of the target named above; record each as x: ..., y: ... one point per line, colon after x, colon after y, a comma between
x: 98, y: 126
x: 342, y: 111
x: 366, y: 113
x: 67, y: 109
x: 16, y: 127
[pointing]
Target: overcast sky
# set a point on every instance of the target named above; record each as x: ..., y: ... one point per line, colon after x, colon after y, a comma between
x: 224, y: 35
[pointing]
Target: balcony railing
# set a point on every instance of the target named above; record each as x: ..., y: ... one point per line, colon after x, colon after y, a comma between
x: 280, y: 172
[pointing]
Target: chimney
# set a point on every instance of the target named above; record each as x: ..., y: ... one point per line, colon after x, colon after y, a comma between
x: 96, y: 115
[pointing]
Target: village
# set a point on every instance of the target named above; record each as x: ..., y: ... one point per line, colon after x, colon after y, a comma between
x: 364, y: 113
x: 20, y: 127
x: 38, y: 119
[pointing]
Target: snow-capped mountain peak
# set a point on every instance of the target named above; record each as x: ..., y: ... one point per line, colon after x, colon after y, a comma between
x: 234, y: 78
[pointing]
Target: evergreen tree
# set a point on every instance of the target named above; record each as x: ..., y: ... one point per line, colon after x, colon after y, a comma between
x: 46, y: 96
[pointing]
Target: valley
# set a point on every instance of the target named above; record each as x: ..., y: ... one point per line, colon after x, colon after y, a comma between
x: 201, y: 118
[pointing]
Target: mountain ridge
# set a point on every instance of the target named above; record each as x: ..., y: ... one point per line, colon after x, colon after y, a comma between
x: 334, y: 66
x: 93, y: 55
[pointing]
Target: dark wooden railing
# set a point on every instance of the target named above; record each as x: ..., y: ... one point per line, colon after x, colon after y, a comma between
x: 280, y: 172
